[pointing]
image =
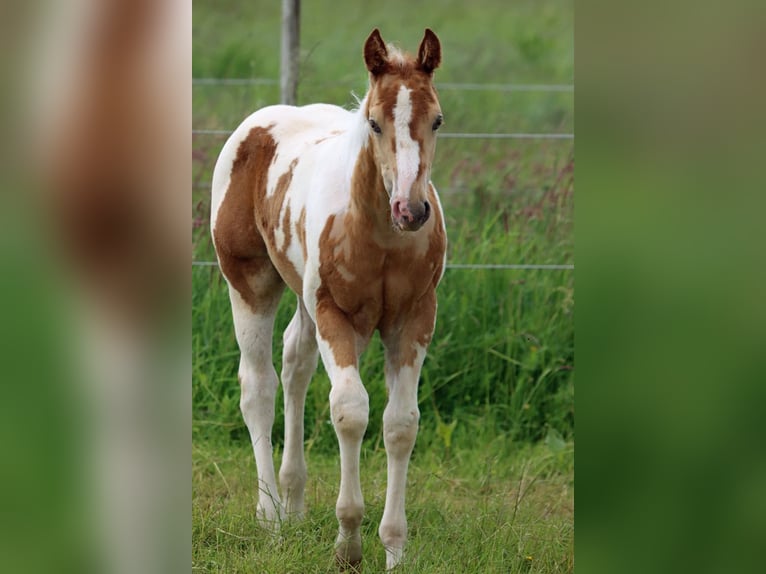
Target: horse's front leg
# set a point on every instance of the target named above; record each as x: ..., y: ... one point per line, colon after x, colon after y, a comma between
x: 405, y: 352
x: 349, y: 409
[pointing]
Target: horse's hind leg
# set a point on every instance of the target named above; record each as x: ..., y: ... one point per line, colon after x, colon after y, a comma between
x: 299, y: 361
x: 255, y: 289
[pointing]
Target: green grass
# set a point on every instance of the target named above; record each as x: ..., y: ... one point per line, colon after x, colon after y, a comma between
x: 497, y: 388
x: 500, y: 508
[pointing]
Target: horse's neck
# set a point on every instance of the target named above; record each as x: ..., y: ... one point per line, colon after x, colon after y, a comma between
x: 369, y: 200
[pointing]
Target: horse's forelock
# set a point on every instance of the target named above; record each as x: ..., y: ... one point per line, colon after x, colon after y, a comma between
x: 398, y: 58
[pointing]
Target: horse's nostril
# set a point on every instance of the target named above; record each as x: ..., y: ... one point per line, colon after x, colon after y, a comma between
x: 426, y: 212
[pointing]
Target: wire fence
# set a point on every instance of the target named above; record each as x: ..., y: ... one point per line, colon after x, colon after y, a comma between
x: 475, y: 266
x: 458, y: 86
x: 519, y: 135
x: 443, y: 191
x: 495, y: 87
x: 449, y: 135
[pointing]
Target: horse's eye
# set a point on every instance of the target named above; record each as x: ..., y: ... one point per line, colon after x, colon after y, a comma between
x: 438, y: 122
x: 375, y: 127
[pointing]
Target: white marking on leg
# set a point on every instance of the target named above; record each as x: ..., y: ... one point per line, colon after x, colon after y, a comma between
x: 299, y: 361
x: 259, y: 386
x: 400, y: 428
x: 407, y: 149
x: 349, y: 408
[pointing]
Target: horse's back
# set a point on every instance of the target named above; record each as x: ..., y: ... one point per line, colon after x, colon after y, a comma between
x: 262, y: 180
x: 292, y: 130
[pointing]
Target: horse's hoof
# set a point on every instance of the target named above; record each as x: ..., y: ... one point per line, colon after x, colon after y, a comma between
x: 351, y: 566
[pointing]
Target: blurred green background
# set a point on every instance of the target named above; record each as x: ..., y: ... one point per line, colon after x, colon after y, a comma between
x: 670, y: 329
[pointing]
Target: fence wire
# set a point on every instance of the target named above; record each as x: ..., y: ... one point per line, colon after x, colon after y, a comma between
x: 476, y: 266
x: 457, y: 86
x: 468, y: 86
x: 449, y: 135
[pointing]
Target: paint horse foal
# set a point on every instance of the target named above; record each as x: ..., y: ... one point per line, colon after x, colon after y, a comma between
x: 339, y: 206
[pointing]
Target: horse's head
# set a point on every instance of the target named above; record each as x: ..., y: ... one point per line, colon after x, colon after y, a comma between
x: 403, y: 113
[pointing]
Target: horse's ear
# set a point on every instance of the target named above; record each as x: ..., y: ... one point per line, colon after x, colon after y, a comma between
x: 375, y: 53
x: 430, y: 52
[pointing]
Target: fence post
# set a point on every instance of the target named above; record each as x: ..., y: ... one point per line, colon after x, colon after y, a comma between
x: 291, y: 13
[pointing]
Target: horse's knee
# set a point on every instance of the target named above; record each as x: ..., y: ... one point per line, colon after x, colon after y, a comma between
x: 400, y: 429
x: 257, y: 396
x: 349, y: 408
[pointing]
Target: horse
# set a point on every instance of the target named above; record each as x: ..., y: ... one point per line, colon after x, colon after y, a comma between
x: 338, y: 206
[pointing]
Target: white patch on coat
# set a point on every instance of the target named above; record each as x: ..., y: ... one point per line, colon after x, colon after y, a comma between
x: 295, y: 249
x: 407, y: 149
x: 279, y: 232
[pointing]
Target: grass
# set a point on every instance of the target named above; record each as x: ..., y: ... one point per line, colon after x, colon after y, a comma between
x: 499, y: 508
x: 490, y: 482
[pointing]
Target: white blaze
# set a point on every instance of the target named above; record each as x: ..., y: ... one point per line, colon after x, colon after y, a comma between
x: 407, y: 149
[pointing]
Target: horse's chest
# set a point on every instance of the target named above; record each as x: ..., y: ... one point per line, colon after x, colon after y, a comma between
x: 376, y: 295
x: 375, y: 283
